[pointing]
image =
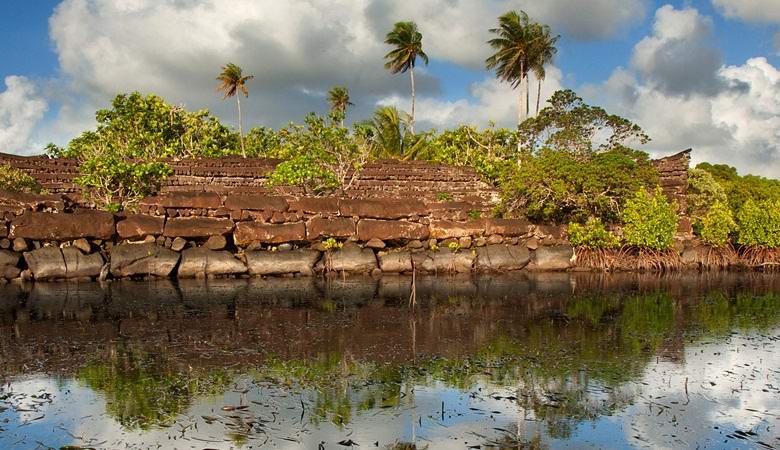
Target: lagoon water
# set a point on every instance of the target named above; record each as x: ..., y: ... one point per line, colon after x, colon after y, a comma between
x: 510, y: 361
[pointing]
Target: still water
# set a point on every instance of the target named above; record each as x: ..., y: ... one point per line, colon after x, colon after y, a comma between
x: 520, y: 361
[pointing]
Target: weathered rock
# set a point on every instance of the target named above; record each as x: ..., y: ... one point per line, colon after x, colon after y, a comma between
x: 5, y: 243
x: 350, y: 259
x: 325, y: 206
x: 8, y: 258
x: 502, y: 258
x: 197, y: 227
x: 286, y: 247
x: 550, y: 231
x: 178, y: 244
x: 444, y: 261
x: 532, y: 243
x: 508, y: 227
x: 63, y: 227
x: 248, y: 232
x: 465, y: 242
x: 185, y: 200
x: 255, y: 202
x: 274, y: 263
x: 375, y: 243
x: 553, y: 258
x: 46, y: 263
x: 202, y: 262
x: 396, y: 262
x: 337, y: 227
x: 216, y: 243
x: 83, y: 245
x: 389, y: 230
x: 480, y: 241
x: 20, y: 245
x: 494, y: 239
x: 150, y: 240
x: 79, y: 265
x: 9, y: 272
x: 142, y: 259
x: 32, y: 202
x: 444, y: 229
x: 382, y: 208
x: 415, y: 243
x: 140, y: 225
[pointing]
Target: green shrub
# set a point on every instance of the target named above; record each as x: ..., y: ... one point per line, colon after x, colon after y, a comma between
x: 650, y: 221
x: 561, y: 186
x: 703, y: 192
x: 115, y: 183
x: 17, y: 180
x: 739, y: 189
x: 717, y: 225
x: 759, y: 224
x: 593, y: 234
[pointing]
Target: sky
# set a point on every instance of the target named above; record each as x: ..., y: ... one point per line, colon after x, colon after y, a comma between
x: 701, y: 74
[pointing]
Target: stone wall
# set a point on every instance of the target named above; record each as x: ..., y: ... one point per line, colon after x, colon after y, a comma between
x: 201, y: 234
x: 378, y: 179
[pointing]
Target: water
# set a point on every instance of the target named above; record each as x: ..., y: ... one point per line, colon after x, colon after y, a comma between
x: 512, y: 361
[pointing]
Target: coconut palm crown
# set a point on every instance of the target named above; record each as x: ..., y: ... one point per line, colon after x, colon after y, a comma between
x: 232, y: 81
x: 338, y: 97
x: 406, y: 41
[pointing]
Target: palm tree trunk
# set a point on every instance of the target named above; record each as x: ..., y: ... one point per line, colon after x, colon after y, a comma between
x: 527, y: 96
x: 519, y: 106
x: 538, y: 94
x: 240, y: 127
x: 411, y: 122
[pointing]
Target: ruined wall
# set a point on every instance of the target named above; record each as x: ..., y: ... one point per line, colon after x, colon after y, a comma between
x: 378, y: 179
x: 673, y: 176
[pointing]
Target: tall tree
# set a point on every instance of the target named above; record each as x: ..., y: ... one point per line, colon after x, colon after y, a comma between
x: 513, y: 45
x: 407, y: 43
x: 232, y: 82
x: 338, y: 97
x: 542, y: 53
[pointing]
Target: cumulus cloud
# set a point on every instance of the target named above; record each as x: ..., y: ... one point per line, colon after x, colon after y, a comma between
x: 733, y: 118
x: 21, y: 108
x: 296, y: 49
x: 751, y: 10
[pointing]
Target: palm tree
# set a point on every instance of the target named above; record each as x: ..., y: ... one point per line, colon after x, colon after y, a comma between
x: 408, y: 46
x: 233, y: 81
x: 513, y: 46
x: 338, y: 97
x: 391, y: 135
x: 543, y: 53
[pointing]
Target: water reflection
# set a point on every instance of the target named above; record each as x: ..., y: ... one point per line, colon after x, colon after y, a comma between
x: 517, y: 361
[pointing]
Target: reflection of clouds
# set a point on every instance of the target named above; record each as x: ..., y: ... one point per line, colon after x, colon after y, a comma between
x: 740, y: 368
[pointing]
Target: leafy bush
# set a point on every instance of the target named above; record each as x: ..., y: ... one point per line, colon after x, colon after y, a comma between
x: 740, y: 189
x: 561, y: 186
x: 17, y: 180
x: 650, y: 221
x: 593, y: 234
x: 703, y: 192
x: 717, y: 225
x: 114, y: 183
x: 759, y: 223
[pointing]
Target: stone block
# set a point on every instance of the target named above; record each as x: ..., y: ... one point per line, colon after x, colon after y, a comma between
x: 34, y: 202
x: 80, y: 265
x: 389, y: 230
x: 255, y: 202
x: 202, y: 262
x: 396, y: 262
x: 193, y: 227
x: 184, y: 200
x: 350, y: 259
x: 382, y: 208
x: 444, y: 261
x: 508, y: 227
x: 248, y: 232
x: 279, y: 263
x: 325, y: 206
x: 502, y: 257
x: 142, y: 259
x: 46, y: 263
x: 140, y: 225
x: 340, y: 227
x: 42, y: 226
x: 445, y: 229
x: 553, y: 258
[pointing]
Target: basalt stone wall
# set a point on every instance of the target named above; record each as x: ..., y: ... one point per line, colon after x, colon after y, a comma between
x: 208, y: 234
x: 673, y: 178
x: 378, y: 179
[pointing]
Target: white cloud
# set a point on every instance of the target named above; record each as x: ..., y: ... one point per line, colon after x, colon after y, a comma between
x: 733, y: 118
x: 766, y: 11
x: 21, y: 108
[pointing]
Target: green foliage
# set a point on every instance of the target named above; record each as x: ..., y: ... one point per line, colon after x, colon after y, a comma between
x: 390, y: 135
x: 759, y: 223
x: 321, y: 155
x: 332, y: 244
x: 490, y: 152
x: 114, y: 183
x: 570, y: 124
x: 454, y: 246
x: 592, y: 235
x: 474, y: 214
x: 561, y: 186
x: 443, y: 196
x: 17, y: 180
x: 717, y: 225
x: 406, y: 41
x: 650, y: 221
x: 740, y: 189
x: 703, y: 192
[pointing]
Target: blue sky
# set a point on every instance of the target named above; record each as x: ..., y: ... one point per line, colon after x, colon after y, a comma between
x: 64, y: 65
